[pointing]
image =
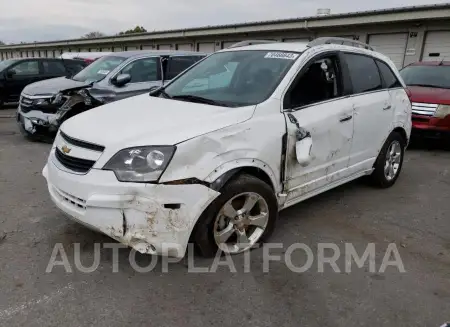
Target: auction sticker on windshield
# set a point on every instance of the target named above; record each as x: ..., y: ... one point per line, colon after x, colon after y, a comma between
x: 282, y: 55
x: 103, y: 72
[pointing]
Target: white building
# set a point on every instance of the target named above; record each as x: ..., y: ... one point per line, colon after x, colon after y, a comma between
x: 404, y: 34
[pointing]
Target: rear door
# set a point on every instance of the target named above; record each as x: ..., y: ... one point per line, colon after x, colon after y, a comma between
x: 144, y: 72
x: 372, y: 110
x: 178, y: 64
x: 25, y: 72
x: 53, y: 68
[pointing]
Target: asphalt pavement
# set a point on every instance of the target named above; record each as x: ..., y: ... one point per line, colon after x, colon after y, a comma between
x: 413, y: 215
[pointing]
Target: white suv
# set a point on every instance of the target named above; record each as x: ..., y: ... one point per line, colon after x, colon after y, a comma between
x: 212, y: 157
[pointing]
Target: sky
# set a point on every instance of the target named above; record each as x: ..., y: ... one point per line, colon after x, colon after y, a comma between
x: 44, y: 20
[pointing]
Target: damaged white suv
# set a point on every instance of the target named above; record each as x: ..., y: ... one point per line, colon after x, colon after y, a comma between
x: 212, y: 157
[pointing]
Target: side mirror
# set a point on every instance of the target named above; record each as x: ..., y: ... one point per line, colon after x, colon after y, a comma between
x: 10, y: 73
x: 122, y: 79
x: 303, y: 151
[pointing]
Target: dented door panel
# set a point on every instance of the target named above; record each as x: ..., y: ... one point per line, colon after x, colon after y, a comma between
x: 330, y: 125
x: 373, y: 116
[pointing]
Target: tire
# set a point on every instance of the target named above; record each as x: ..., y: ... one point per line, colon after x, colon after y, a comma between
x: 385, y: 161
x: 240, y: 189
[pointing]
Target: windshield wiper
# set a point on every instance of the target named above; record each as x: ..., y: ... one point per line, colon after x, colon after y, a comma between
x: 195, y: 98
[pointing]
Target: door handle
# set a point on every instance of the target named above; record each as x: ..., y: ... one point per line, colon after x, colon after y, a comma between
x: 387, y: 107
x: 345, y: 118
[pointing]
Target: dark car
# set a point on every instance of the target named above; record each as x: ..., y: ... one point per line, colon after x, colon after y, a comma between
x: 45, y: 105
x: 15, y: 74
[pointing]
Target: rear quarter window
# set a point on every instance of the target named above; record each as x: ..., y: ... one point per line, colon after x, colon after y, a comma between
x: 390, y: 81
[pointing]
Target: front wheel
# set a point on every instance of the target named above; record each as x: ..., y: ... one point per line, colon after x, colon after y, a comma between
x: 242, y: 216
x: 389, y: 162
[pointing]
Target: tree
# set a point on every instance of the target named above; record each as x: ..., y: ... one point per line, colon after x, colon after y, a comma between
x: 2, y: 43
x: 137, y: 29
x: 93, y: 35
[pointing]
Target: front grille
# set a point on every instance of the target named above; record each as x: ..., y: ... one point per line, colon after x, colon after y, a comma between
x: 82, y: 144
x: 75, y: 164
x: 425, y: 109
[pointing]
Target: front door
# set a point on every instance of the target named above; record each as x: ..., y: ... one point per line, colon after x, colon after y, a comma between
x: 23, y: 73
x: 316, y: 104
x: 144, y: 72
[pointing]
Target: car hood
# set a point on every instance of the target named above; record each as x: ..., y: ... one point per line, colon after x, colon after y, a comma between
x: 145, y: 120
x: 52, y: 86
x: 429, y: 95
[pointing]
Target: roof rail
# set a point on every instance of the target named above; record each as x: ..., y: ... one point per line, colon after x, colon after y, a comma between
x: 250, y: 42
x: 339, y: 40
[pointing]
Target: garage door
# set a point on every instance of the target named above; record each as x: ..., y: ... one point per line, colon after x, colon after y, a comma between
x: 147, y: 47
x: 164, y: 47
x: 206, y: 47
x: 391, y: 45
x: 185, y: 47
x: 437, y: 46
x: 132, y: 48
x: 117, y: 49
x: 227, y: 44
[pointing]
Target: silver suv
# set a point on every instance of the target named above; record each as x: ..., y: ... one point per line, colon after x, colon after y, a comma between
x: 45, y: 105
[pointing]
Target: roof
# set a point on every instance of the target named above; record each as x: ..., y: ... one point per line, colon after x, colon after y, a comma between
x: 278, y: 46
x: 411, y: 13
x: 129, y: 54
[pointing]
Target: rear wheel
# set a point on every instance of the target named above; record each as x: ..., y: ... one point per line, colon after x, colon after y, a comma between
x: 242, y: 216
x: 389, y: 162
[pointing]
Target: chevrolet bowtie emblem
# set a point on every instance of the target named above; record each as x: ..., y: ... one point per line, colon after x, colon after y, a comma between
x: 66, y: 149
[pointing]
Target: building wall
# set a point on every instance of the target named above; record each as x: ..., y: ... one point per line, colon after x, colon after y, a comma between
x: 415, y: 36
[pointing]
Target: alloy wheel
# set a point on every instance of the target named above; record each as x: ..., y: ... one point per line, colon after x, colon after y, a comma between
x: 241, y: 222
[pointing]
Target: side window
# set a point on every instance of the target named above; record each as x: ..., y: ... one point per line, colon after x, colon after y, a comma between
x: 75, y: 66
x: 320, y: 81
x: 363, y: 73
x: 27, y: 68
x: 177, y: 65
x: 389, y: 79
x: 53, y: 67
x: 142, y: 70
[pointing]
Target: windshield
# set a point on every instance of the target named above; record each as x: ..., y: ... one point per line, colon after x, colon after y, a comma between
x: 429, y: 76
x: 233, y: 78
x: 6, y: 63
x: 98, y: 69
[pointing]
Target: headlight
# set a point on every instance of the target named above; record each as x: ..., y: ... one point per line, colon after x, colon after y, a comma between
x: 442, y: 111
x: 140, y: 164
x: 41, y: 102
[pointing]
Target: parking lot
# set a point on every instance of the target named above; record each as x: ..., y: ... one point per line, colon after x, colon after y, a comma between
x: 414, y: 214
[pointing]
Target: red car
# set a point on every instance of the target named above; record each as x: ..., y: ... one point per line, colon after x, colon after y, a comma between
x: 429, y: 88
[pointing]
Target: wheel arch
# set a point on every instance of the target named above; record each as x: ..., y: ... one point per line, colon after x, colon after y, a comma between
x: 400, y: 130
x: 254, y: 167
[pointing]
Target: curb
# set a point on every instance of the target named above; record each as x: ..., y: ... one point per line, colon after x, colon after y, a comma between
x: 6, y: 116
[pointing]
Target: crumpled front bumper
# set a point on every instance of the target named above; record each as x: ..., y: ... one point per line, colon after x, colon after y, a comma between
x: 151, y: 218
x: 35, y: 122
